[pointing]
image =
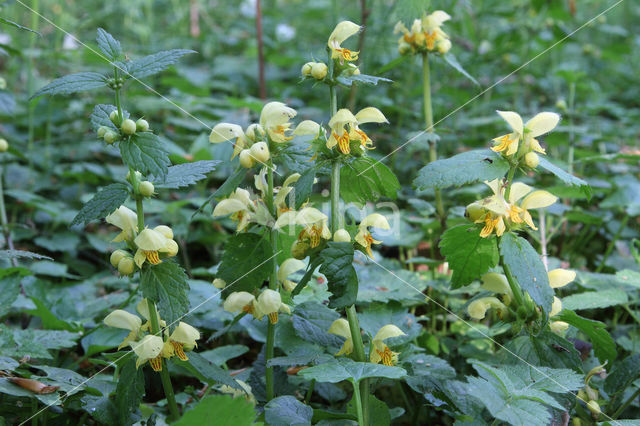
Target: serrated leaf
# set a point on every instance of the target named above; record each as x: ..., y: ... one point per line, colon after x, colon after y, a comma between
x: 302, y: 188
x: 245, y: 263
x: 73, y: 83
x: 166, y: 284
x: 365, y: 179
x: 155, y: 63
x: 468, y: 167
x: 129, y: 391
x: 14, y: 24
x: 346, y: 369
x: 450, y: 59
x: 105, y: 202
x: 546, y: 349
x: 224, y: 408
x: 10, y: 289
x: 183, y: 175
x: 595, y: 299
x: 16, y: 254
x: 468, y: 254
x: 362, y: 78
x: 287, y: 410
x: 144, y: 152
x: 565, y: 177
x: 100, y: 116
x: 623, y: 374
x: 311, y: 321
x: 603, y: 345
x: 342, y: 280
x: 207, y: 371
x: 17, y: 343
x: 109, y: 45
x: 527, y: 268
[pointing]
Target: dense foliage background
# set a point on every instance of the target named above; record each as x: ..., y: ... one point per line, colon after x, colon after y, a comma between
x: 525, y: 57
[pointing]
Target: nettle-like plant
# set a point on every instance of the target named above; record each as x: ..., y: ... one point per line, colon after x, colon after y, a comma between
x: 147, y: 252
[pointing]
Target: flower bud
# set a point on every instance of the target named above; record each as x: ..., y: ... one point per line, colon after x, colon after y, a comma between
x: 299, y: 250
x: 582, y: 396
x: 142, y: 125
x: 404, y: 48
x: 3, y: 83
x: 101, y: 131
x: 110, y: 136
x: 576, y: 421
x: 306, y: 69
x: 246, y: 160
x: 319, y: 70
x: 114, y: 117
x: 356, y: 71
x: 474, y: 212
x: 219, y: 283
x: 341, y: 235
x: 4, y: 145
x: 444, y: 46
x: 254, y: 132
x: 146, y: 188
x: 128, y: 127
x: 532, y: 160
x: 594, y: 407
x: 116, y: 256
x: 260, y: 152
x: 126, y: 266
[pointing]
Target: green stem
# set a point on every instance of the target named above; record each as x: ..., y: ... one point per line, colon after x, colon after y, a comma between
x: 273, y: 285
x: 335, y: 196
x: 612, y: 244
x: 510, y: 175
x: 3, y: 219
x: 307, y: 397
x: 572, y: 96
x: 625, y: 405
x: 513, y: 284
x: 356, y: 395
x: 140, y: 213
x: 118, y: 105
x: 428, y: 117
x: 30, y: 80
x: 164, y: 373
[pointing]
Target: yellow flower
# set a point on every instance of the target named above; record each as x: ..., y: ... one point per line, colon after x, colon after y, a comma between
x: 240, y: 301
x: 478, y: 308
x: 363, y: 237
x: 269, y: 304
x: 307, y: 127
x: 143, y: 309
x: 343, y: 31
x: 245, y: 393
x: 125, y: 219
x: 280, y: 199
x: 126, y: 321
x: 535, y: 200
x: 344, y: 128
x: 149, y: 349
x: 288, y: 267
x: 274, y: 119
x: 254, y: 132
x: 431, y: 26
x: 497, y: 283
x: 540, y: 124
x: 183, y: 338
x: 223, y: 132
x: 239, y: 206
x: 150, y: 243
x: 340, y: 327
x: 314, y: 221
x: 557, y: 327
x: 561, y: 277
x: 380, y: 351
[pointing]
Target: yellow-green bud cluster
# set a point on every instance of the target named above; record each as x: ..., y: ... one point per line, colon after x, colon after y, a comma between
x: 4, y: 145
x: 317, y: 70
x: 122, y: 128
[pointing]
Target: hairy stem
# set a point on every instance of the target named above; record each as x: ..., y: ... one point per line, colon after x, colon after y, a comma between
x: 356, y: 396
x: 118, y: 105
x: 273, y: 285
x: 625, y: 405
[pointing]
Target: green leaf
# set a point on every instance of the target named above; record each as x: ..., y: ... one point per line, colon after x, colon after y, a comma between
x: 313, y: 264
x: 207, y: 371
x: 595, y: 300
x: 245, y: 263
x: 144, y: 152
x: 17, y: 343
x: 342, y: 280
x: 129, y: 391
x: 287, y: 410
x: 155, y: 63
x: 468, y: 167
x: 226, y: 188
x: 623, y: 374
x: 109, y: 45
x: 10, y: 286
x: 565, y: 177
x: 346, y: 369
x: 603, y: 345
x: 379, y: 414
x: 527, y: 268
x: 100, y: 116
x: 362, y: 78
x: 366, y: 179
x: 302, y: 188
x: 73, y: 83
x: 17, y: 254
x: 546, y: 349
x: 311, y: 320
x: 166, y: 284
x: 14, y: 24
x: 468, y: 254
x: 450, y: 59
x: 105, y: 202
x: 183, y: 175
x: 233, y: 411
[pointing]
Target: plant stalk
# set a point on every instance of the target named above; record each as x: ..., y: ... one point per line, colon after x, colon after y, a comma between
x: 4, y: 221
x: 356, y: 395
x: 273, y: 285
x: 625, y: 404
x: 428, y: 117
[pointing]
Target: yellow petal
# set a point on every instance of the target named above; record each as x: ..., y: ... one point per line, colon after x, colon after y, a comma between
x: 538, y: 200
x: 370, y: 115
x: 185, y: 334
x: 123, y: 319
x: 150, y: 240
x: 222, y: 132
x: 307, y: 127
x: 556, y: 307
x: 269, y: 301
x: 164, y: 230
x: 340, y: 118
x: 388, y: 331
x: 478, y: 308
x: 149, y: 347
x: 513, y: 119
x: 542, y: 123
x: 561, y: 277
x: 375, y: 220
x: 238, y: 301
x: 341, y: 32
x: 288, y: 267
x: 125, y: 219
x: 495, y: 282
x: 228, y: 206
x: 310, y: 215
x: 276, y: 114
x: 518, y: 190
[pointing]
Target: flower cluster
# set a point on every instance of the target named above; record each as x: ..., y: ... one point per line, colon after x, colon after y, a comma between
x: 345, y: 130
x: 150, y: 347
x: 496, y: 212
x: 122, y: 128
x: 268, y: 303
x: 150, y: 245
x: 426, y: 35
x: 380, y: 352
x: 341, y: 32
x: 498, y: 283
